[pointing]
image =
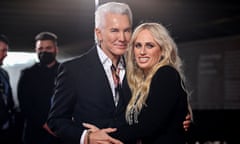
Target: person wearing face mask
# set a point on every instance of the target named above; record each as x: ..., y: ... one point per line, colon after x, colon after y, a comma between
x: 35, y: 89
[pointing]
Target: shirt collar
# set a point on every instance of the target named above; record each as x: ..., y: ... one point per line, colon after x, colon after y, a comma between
x: 105, y: 60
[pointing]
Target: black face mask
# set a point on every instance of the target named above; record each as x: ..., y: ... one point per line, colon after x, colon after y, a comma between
x: 46, y: 58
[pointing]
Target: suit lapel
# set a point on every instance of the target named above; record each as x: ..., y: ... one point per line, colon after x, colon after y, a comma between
x: 96, y: 70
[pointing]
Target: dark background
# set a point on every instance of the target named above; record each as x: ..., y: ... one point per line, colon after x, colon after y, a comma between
x: 206, y: 31
x: 73, y: 20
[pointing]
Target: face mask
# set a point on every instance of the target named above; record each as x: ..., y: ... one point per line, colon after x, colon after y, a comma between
x: 46, y: 58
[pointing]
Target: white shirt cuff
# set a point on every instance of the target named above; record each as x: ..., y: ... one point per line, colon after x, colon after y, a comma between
x: 83, y: 137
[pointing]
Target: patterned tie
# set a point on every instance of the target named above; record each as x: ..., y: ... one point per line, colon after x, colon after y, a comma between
x: 117, y: 83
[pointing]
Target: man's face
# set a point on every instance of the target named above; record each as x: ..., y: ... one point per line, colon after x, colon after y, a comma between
x: 3, y: 51
x: 45, y: 46
x: 46, y: 51
x: 115, y: 34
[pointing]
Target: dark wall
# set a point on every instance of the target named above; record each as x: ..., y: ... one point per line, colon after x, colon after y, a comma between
x: 212, y: 68
x: 215, y: 125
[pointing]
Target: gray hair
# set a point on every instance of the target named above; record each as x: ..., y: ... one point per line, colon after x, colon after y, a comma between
x: 110, y: 7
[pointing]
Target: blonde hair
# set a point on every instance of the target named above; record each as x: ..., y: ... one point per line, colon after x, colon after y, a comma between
x: 140, y: 83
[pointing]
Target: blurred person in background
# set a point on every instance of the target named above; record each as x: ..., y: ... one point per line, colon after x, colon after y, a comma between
x: 8, y: 132
x: 35, y: 90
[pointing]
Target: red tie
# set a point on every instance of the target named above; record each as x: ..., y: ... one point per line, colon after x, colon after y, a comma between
x: 117, y: 83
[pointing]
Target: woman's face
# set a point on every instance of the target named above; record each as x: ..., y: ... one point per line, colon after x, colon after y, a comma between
x: 147, y: 52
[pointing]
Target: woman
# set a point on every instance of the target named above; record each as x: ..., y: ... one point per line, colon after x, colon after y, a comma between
x: 159, y: 101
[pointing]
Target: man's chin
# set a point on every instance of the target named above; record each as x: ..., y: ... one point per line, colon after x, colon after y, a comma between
x: 121, y: 52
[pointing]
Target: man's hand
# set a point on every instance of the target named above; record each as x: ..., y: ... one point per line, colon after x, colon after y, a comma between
x: 45, y: 126
x: 90, y: 127
x: 187, y: 122
x: 99, y: 136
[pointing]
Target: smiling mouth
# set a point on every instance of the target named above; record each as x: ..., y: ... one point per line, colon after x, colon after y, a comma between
x: 143, y: 59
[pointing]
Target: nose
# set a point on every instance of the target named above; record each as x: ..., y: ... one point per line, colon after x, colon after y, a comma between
x: 122, y: 36
x: 142, y: 50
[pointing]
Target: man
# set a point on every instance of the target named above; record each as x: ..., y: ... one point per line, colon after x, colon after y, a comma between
x: 85, y: 90
x: 35, y: 89
x: 7, y: 106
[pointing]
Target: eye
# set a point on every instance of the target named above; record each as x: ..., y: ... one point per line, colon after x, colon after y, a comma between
x: 137, y: 45
x: 49, y: 47
x: 128, y: 30
x: 114, y: 30
x: 149, y: 45
x: 40, y: 48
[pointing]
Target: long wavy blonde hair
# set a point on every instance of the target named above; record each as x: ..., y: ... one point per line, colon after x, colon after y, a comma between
x: 140, y: 83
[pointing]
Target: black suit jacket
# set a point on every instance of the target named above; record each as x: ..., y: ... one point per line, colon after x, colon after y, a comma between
x: 83, y: 94
x: 160, y: 121
x: 35, y: 90
x: 6, y: 101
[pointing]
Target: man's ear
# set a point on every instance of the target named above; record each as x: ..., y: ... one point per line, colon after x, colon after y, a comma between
x: 57, y: 49
x: 98, y: 34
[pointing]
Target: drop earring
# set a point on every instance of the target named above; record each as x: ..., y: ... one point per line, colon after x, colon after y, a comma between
x: 161, y: 57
